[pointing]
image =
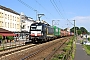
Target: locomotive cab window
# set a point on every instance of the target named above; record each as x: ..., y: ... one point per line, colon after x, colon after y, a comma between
x: 39, y: 28
x: 36, y: 27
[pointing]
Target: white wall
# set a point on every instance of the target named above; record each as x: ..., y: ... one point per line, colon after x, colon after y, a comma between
x: 7, y: 22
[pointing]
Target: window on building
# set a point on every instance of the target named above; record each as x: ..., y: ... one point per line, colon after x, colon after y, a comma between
x: 13, y: 18
x: 23, y: 27
x: 8, y: 17
x: 13, y: 25
x: 17, y: 26
x: 28, y: 26
x: 5, y: 16
x: 0, y: 15
x: 8, y: 25
x: 17, y: 19
x: 2, y: 24
x: 5, y: 24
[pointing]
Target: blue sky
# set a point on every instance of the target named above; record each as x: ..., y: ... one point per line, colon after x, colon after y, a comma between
x: 78, y: 10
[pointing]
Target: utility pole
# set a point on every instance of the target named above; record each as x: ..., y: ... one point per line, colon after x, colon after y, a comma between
x: 52, y: 22
x: 36, y: 14
x: 76, y: 34
x: 74, y: 28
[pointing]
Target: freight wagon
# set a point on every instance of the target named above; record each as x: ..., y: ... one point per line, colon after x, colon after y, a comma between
x: 56, y: 31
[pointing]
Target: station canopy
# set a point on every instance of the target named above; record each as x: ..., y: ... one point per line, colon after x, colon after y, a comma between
x: 4, y: 32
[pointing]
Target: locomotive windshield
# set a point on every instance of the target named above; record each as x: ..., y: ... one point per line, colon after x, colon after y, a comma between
x: 36, y: 27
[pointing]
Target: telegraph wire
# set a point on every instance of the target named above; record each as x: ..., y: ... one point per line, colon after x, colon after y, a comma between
x: 55, y: 7
x: 58, y: 9
x: 64, y: 12
x: 69, y: 22
x: 44, y: 8
x: 27, y: 5
x: 61, y: 6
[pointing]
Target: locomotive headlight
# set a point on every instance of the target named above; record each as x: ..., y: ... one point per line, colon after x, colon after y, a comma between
x: 42, y: 34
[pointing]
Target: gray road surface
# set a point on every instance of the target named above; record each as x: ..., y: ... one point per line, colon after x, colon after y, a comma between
x: 80, y: 52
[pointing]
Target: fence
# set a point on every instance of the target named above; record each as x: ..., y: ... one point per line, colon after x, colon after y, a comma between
x: 18, y: 40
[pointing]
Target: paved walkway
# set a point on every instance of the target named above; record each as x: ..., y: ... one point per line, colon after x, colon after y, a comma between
x: 80, y: 52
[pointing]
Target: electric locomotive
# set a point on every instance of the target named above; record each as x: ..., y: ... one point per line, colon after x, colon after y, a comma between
x: 40, y: 32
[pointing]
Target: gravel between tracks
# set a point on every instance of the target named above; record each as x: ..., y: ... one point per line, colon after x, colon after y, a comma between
x: 46, y: 52
x: 20, y: 54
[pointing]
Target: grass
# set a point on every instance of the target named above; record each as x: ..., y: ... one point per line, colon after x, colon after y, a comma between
x: 1, y: 48
x: 87, y: 49
x: 88, y: 39
x: 65, y: 50
x: 73, y: 53
x: 58, y: 57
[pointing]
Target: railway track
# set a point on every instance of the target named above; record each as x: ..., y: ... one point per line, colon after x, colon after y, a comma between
x: 53, y: 52
x: 29, y: 51
x: 34, y: 54
x: 10, y: 51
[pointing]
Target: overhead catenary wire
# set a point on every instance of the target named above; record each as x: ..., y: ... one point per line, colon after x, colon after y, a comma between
x: 58, y: 9
x: 55, y: 7
x: 44, y: 8
x: 64, y: 12
x: 62, y: 9
x: 69, y: 22
x: 54, y: 4
x: 29, y: 7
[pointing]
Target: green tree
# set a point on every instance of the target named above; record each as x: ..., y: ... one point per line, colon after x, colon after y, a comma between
x: 10, y: 38
x: 0, y: 37
x: 79, y: 32
x: 83, y: 30
x: 76, y: 28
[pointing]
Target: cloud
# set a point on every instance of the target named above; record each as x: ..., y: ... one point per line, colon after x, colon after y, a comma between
x: 82, y: 19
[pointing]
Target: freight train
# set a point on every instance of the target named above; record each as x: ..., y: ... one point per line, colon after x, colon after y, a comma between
x: 40, y: 32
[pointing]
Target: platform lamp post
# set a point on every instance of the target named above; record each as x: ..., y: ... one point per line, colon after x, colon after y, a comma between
x: 40, y: 15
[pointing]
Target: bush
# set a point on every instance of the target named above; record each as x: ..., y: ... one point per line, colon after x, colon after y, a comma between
x: 88, y: 39
x: 0, y: 38
x: 58, y: 57
x: 10, y: 38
